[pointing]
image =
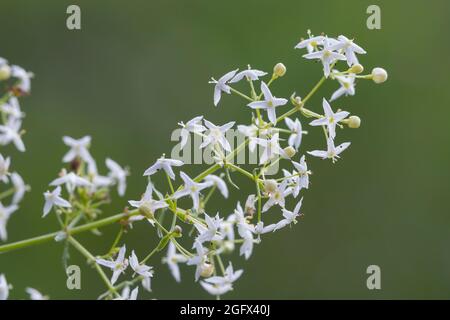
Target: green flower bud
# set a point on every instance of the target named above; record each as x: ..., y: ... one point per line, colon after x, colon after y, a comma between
x: 354, y: 122
x: 356, y: 68
x: 279, y: 70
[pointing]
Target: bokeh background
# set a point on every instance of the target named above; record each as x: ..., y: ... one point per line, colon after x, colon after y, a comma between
x: 138, y: 67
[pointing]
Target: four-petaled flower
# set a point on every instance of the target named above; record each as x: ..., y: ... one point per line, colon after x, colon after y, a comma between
x: 164, y: 164
x: 78, y: 148
x: 118, y: 266
x: 54, y: 199
x: 193, y: 126
x: 326, y: 55
x: 222, y: 86
x: 332, y: 152
x: 173, y: 259
x: 269, y: 103
x: 117, y: 174
x: 330, y: 119
x: 289, y: 216
x: 192, y: 189
x: 216, y: 135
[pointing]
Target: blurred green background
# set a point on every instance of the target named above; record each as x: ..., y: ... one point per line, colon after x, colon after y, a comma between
x: 138, y: 67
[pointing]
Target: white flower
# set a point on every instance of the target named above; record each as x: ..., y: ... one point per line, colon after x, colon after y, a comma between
x: 4, y: 288
x: 11, y: 133
x: 332, y: 152
x: 330, y: 119
x: 19, y: 187
x: 216, y: 135
x: 261, y: 229
x: 272, y: 148
x: 251, y: 132
x: 125, y: 294
x: 173, y: 259
x: 289, y: 216
x: 295, y: 139
x: 118, y: 266
x: 148, y: 204
x: 251, y: 74
x: 78, y: 148
x: 277, y: 197
x: 245, y: 231
x: 250, y: 204
x: 164, y: 164
x: 347, y: 86
x: 4, y: 168
x: 311, y: 43
x: 301, y: 177
x: 71, y: 180
x: 349, y: 48
x: 211, y: 231
x: 140, y: 269
x: 192, y: 189
x: 35, y: 294
x: 12, y: 108
x: 230, y: 276
x: 269, y: 103
x: 117, y: 174
x: 193, y: 126
x: 221, y: 85
x: 216, y: 289
x: 326, y: 55
x: 24, y: 77
x: 213, y: 180
x: 198, y: 260
x: 226, y: 228
x: 5, y: 213
x: 53, y: 199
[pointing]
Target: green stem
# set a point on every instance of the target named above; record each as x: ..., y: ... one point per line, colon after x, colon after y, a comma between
x: 241, y: 94
x: 7, y: 193
x: 50, y: 236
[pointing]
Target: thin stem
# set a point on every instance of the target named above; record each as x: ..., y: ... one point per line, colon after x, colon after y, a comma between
x: 7, y: 193
x: 241, y: 94
x: 50, y: 236
x: 91, y: 259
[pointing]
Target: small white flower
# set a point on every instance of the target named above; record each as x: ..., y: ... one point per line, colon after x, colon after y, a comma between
x: 78, y: 148
x: 326, y: 55
x: 289, y: 216
x: 4, y: 168
x: 261, y: 229
x: 272, y: 148
x: 71, y: 180
x: 24, y: 77
x: 192, y: 189
x: 213, y: 180
x: 117, y: 174
x: 222, y: 86
x: 230, y: 276
x: 301, y: 176
x: 295, y: 139
x: 173, y: 259
x: 332, y: 152
x: 53, y: 199
x: 311, y: 43
x: 140, y: 269
x: 12, y: 108
x: 198, y: 260
x: 5, y: 214
x: 4, y: 288
x: 251, y: 132
x: 118, y: 266
x: 211, y: 231
x: 269, y: 103
x: 193, y: 126
x: 19, y: 187
x: 251, y: 74
x: 125, y: 294
x: 277, y: 197
x: 11, y: 133
x: 148, y: 204
x: 164, y: 164
x: 216, y: 135
x: 35, y: 294
x: 330, y: 119
x: 347, y: 86
x: 216, y: 289
x: 349, y: 48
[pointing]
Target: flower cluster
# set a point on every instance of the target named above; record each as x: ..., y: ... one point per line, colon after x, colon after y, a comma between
x: 213, y: 234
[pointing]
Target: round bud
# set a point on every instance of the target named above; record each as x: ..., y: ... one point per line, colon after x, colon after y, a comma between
x: 279, y: 70
x: 298, y: 100
x: 270, y: 186
x: 177, y: 231
x: 207, y: 270
x: 5, y: 72
x: 356, y: 68
x: 354, y: 122
x: 289, y: 151
x: 379, y: 75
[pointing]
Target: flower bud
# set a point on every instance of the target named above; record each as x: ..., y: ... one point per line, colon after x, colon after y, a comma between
x: 356, y: 68
x: 379, y: 75
x: 289, y: 151
x: 177, y: 231
x: 146, y: 212
x: 279, y: 70
x: 228, y: 246
x: 5, y: 72
x: 298, y: 100
x: 354, y: 122
x: 207, y: 270
x: 270, y: 185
